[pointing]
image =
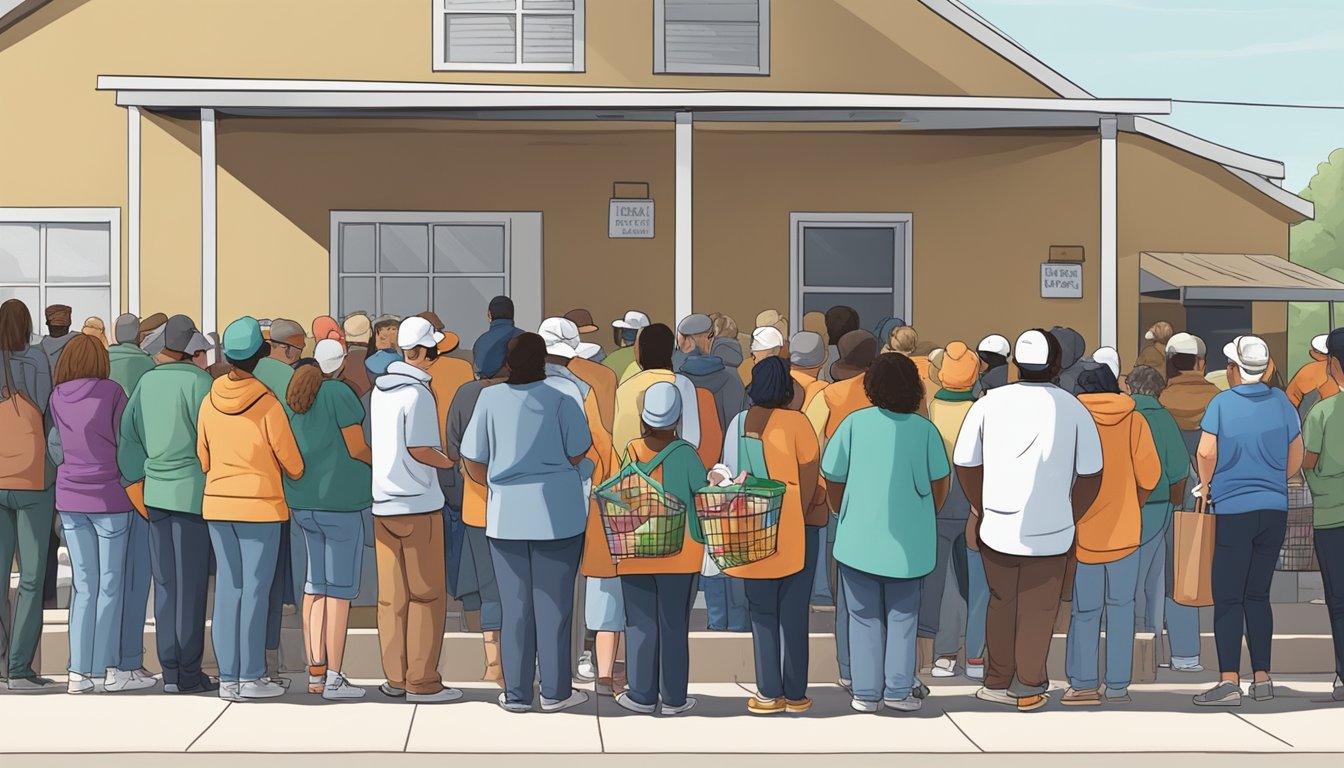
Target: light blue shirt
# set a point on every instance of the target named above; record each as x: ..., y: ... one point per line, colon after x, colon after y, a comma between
x: 1254, y: 425
x: 526, y: 434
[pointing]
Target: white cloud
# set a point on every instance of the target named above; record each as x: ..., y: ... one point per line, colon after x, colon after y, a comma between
x: 1325, y: 41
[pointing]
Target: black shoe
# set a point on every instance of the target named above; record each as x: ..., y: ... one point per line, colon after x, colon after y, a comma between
x: 205, y: 686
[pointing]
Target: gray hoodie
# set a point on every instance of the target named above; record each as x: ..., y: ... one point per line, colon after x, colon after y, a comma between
x: 1072, y: 350
x: 710, y: 372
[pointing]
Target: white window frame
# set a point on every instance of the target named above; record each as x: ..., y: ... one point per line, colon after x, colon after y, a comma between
x: 45, y: 217
x: 441, y: 64
x: 903, y: 221
x: 522, y: 253
x: 661, y: 67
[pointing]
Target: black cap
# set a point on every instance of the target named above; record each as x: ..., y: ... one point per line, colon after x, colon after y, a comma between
x: 1334, y: 345
x: 501, y: 308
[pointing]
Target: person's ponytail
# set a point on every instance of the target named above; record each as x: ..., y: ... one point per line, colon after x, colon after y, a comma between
x: 303, y: 388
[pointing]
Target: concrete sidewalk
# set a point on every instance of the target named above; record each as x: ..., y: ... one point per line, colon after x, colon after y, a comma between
x: 1302, y: 720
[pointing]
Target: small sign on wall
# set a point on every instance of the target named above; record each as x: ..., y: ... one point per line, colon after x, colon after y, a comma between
x: 630, y: 219
x: 1061, y: 280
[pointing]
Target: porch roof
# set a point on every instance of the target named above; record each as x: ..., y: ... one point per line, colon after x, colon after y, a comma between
x: 1234, y: 277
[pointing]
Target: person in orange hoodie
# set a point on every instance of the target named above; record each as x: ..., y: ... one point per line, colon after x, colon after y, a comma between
x: 244, y: 442
x: 1312, y: 383
x: 807, y: 355
x: 1108, y: 536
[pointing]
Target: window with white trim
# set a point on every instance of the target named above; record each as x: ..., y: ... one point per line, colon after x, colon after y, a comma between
x: 711, y: 37
x: 526, y: 35
x: 60, y: 262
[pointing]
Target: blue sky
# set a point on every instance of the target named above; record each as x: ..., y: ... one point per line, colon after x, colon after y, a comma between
x: 1225, y: 50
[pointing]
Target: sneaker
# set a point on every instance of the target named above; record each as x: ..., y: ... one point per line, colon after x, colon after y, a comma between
x: 1081, y: 697
x: 118, y: 681
x: 1032, y: 703
x: 576, y: 697
x: 587, y: 670
x: 283, y: 682
x: 975, y: 669
x: 1120, y: 697
x: 867, y: 707
x: 513, y: 706
x: 920, y: 691
x: 798, y: 705
x: 1262, y: 691
x: 908, y: 704
x: 845, y: 683
x: 687, y: 707
x: 80, y: 683
x: 391, y: 691
x: 625, y: 702
x: 317, y: 677
x: 1186, y: 664
x: 996, y: 697
x: 33, y: 684
x: 759, y: 706
x: 945, y: 668
x: 142, y: 672
x: 444, y: 696
x: 229, y: 692
x: 336, y: 688
x: 260, y: 689
x: 1338, y: 693
x: 207, y: 685
x: 1224, y: 694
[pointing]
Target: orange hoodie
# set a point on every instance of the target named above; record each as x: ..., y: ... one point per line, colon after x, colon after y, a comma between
x: 1110, y: 529
x: 1314, y: 375
x: 244, y: 442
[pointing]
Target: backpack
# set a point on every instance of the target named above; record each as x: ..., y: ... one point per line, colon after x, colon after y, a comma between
x: 23, y: 452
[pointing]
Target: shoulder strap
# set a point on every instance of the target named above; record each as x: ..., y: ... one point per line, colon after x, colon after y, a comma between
x: 9, y: 377
x: 661, y: 456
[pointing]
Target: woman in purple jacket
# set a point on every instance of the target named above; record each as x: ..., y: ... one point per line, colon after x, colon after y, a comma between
x: 95, y: 512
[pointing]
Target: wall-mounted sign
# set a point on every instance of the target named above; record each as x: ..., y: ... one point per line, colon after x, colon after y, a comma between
x: 630, y: 219
x: 1061, y: 281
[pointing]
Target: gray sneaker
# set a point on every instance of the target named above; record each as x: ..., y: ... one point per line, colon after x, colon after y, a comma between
x: 33, y: 684
x: 908, y: 704
x: 1262, y: 691
x: 1224, y: 694
x: 1338, y: 693
x: 576, y: 697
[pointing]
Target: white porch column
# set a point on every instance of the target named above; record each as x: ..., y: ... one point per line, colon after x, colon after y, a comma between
x: 684, y: 283
x: 1110, y: 283
x: 132, y: 212
x: 209, y: 299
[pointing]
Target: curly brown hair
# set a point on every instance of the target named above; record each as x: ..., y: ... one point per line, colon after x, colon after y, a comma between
x: 303, y: 386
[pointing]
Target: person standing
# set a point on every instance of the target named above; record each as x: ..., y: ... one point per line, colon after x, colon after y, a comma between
x: 706, y: 370
x: 58, y: 332
x: 93, y: 326
x: 994, y: 352
x: 807, y: 355
x: 408, y: 520
x: 27, y: 512
x: 887, y: 474
x: 446, y: 375
x: 622, y: 359
x: 1108, y: 535
x: 654, y: 347
x: 357, y: 330
x: 840, y: 322
x: 527, y: 440
x: 1323, y: 439
x: 385, y: 350
x: 1029, y: 460
x: 1073, y: 351
x: 127, y: 362
x: 329, y: 502
x: 583, y: 320
x: 1312, y: 382
x: 500, y: 314
x: 158, y: 447
x: 1154, y: 353
x: 1252, y: 444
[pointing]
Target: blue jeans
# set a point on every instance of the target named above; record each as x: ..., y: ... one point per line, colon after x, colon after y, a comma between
x: 1182, y: 620
x: 726, y: 603
x: 883, y: 619
x: 246, y: 556
x: 479, y: 591
x: 821, y: 574
x: 334, y: 547
x: 977, y: 605
x: 97, y: 544
x: 1108, y: 586
x: 1150, y: 595
x: 841, y: 625
x: 657, y: 636
x: 779, y: 614
x: 136, y: 604
x: 536, y: 589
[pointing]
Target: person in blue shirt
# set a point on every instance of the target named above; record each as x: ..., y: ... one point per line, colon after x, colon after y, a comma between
x: 1252, y: 444
x: 488, y: 351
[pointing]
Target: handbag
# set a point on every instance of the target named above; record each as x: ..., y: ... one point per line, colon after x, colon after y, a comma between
x: 1192, y: 555
x: 23, y: 452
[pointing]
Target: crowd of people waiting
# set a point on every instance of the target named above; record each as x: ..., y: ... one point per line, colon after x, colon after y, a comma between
x: 951, y: 499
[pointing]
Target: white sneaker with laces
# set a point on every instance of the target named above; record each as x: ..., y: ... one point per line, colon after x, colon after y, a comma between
x: 79, y: 684
x: 859, y: 705
x: 260, y: 689
x: 587, y: 670
x: 337, y: 688
x: 908, y: 704
x: 945, y: 668
x: 996, y: 697
x: 229, y: 692
x: 118, y: 680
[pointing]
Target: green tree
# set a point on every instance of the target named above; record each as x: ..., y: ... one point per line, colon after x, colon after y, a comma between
x: 1319, y: 245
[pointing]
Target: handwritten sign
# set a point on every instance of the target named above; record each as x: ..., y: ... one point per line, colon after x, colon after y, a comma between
x: 630, y: 219
x: 1061, y: 281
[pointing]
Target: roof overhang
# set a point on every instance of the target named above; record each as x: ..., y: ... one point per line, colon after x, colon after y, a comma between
x: 1233, y: 277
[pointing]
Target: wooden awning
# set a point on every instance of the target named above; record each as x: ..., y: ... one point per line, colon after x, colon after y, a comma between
x: 1234, y: 277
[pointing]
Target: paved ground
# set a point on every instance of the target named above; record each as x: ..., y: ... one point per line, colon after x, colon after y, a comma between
x: 1302, y: 721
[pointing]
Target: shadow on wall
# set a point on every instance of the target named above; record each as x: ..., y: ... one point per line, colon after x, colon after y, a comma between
x: 34, y: 16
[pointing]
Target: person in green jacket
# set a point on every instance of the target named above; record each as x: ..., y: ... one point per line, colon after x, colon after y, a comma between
x: 1145, y: 386
x: 129, y: 362
x: 158, y: 446
x: 624, y: 332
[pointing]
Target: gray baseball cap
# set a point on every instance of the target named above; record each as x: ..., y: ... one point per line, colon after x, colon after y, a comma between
x: 807, y: 349
x: 694, y: 325
x: 127, y: 329
x: 282, y: 329
x: 177, y: 333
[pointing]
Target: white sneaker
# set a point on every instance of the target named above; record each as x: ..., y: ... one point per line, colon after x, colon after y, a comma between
x: 996, y: 697
x: 867, y: 707
x: 587, y: 670
x: 513, y: 706
x: 337, y: 688
x: 260, y: 689
x: 687, y: 707
x: 79, y: 684
x: 908, y: 704
x: 625, y: 702
x: 444, y: 696
x: 1186, y: 664
x: 118, y: 681
x: 576, y: 697
x: 945, y: 668
x: 229, y: 692
x: 283, y: 682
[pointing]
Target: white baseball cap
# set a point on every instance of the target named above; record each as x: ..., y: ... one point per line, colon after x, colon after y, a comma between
x: 1249, y: 353
x: 766, y: 338
x: 329, y: 354
x: 588, y: 350
x: 633, y: 321
x: 1108, y: 357
x: 1032, y: 350
x: 994, y: 344
x: 417, y: 332
x: 1185, y: 344
x: 1318, y: 344
x: 561, y: 336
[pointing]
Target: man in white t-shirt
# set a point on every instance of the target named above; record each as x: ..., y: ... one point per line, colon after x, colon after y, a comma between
x: 1029, y: 459
x: 408, y: 519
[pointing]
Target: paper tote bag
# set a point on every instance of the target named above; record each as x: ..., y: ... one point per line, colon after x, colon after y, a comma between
x: 1192, y: 560
x: 24, y: 447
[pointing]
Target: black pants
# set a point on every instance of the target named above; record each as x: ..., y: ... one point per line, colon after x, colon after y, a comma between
x: 179, y: 547
x: 657, y: 636
x: 1330, y: 553
x: 779, y: 615
x: 1246, y: 549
